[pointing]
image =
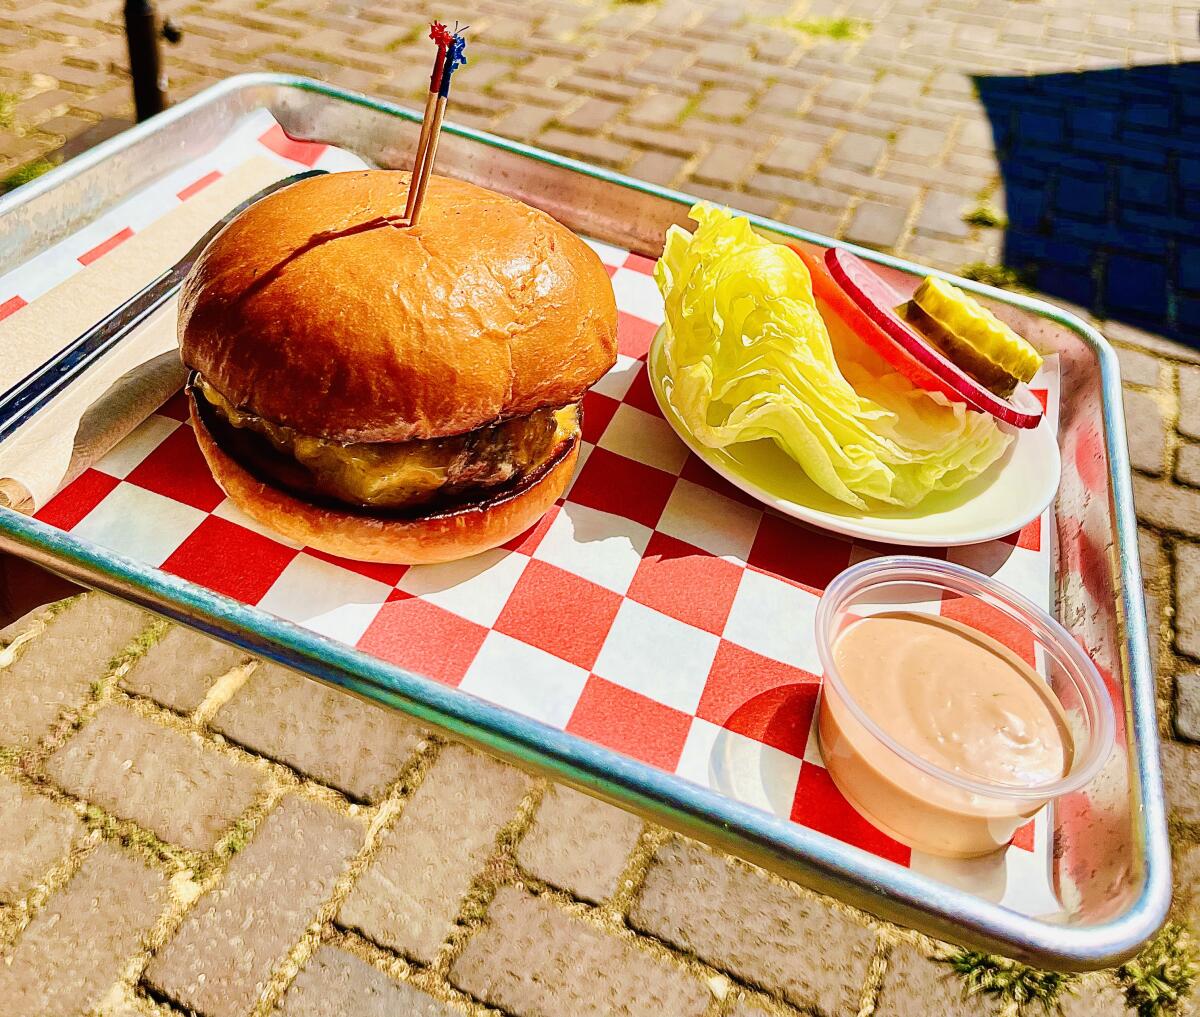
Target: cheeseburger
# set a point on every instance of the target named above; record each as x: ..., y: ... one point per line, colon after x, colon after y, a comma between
x: 388, y: 393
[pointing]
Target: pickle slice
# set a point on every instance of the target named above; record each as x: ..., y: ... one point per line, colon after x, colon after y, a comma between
x: 991, y: 376
x: 974, y: 338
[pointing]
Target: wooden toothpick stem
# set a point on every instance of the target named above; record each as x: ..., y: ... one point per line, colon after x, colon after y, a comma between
x: 451, y: 54
x: 422, y: 184
x: 420, y: 158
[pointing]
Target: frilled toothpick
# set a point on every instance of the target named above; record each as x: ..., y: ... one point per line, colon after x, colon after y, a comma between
x: 451, y: 54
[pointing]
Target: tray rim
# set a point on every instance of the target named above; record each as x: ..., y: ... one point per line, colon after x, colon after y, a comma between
x: 815, y: 859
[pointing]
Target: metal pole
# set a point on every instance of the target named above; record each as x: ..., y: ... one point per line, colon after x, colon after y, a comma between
x: 145, y: 64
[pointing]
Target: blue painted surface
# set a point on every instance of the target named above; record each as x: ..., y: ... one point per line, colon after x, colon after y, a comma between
x: 1101, y: 173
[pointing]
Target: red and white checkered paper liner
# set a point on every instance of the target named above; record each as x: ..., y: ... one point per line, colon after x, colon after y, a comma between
x: 655, y: 609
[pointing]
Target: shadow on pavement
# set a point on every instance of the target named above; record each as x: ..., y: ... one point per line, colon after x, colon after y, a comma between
x: 1101, y: 175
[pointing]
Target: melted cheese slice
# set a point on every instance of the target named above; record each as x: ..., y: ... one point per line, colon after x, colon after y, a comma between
x: 411, y: 472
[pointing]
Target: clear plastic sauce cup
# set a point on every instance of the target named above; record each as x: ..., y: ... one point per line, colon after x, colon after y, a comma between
x: 949, y: 811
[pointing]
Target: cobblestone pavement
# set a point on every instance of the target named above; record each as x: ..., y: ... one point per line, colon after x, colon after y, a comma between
x: 255, y: 864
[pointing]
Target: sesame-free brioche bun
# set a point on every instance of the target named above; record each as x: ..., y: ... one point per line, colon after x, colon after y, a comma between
x: 486, y: 309
x: 346, y: 363
x: 417, y: 540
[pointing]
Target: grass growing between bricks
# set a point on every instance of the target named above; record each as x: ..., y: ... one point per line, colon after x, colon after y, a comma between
x: 985, y: 215
x: 138, y: 648
x: 407, y: 39
x: 692, y: 104
x: 1161, y: 977
x: 1003, y: 277
x: 840, y: 29
x: 238, y: 836
x: 1008, y: 981
x: 140, y: 841
x: 30, y: 171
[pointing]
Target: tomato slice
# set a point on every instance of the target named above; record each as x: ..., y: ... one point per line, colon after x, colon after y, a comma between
x: 878, y: 301
x: 828, y: 292
x: 850, y: 288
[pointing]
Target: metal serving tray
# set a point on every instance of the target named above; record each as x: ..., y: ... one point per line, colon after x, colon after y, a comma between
x: 1111, y: 851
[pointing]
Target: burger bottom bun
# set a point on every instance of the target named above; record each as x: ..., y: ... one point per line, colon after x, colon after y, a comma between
x: 441, y: 536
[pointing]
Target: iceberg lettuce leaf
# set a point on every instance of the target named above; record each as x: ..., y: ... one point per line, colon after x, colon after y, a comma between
x: 749, y: 356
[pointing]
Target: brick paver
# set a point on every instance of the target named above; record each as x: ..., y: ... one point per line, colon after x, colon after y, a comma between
x: 744, y: 1008
x: 1189, y: 402
x: 34, y: 834
x: 1187, y: 465
x: 1187, y: 609
x: 1147, y: 436
x: 915, y: 985
x: 354, y: 746
x: 532, y: 957
x: 926, y: 112
x: 180, y: 668
x: 579, y: 843
x: 1096, y: 997
x: 74, y: 947
x: 409, y: 897
x: 55, y: 672
x: 1166, y: 507
x: 168, y: 782
x: 337, y: 984
x: 739, y: 919
x: 221, y: 957
x: 1187, y: 706
x: 1181, y: 780
x: 1187, y: 880
x: 876, y: 224
x: 1138, y: 368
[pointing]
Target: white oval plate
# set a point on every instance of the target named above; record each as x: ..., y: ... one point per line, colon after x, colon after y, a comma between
x: 1013, y: 492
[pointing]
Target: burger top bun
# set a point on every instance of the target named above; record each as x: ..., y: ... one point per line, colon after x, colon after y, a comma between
x: 307, y: 312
